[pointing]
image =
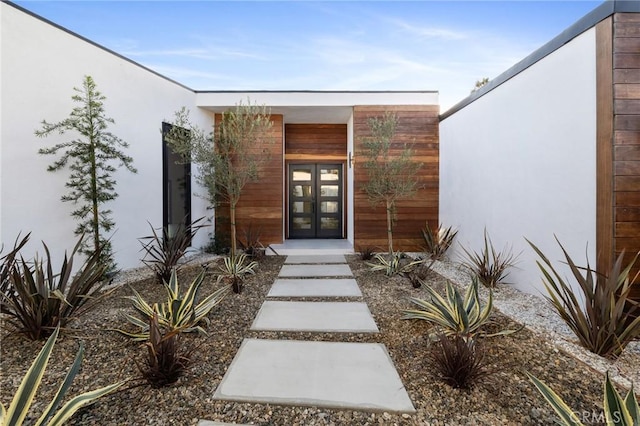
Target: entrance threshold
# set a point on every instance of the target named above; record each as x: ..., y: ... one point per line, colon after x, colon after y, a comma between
x: 310, y: 247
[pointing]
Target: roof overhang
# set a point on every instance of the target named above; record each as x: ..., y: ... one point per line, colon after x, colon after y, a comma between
x: 312, y: 106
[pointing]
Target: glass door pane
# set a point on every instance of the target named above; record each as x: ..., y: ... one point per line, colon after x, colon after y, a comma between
x: 329, y: 200
x: 302, y: 211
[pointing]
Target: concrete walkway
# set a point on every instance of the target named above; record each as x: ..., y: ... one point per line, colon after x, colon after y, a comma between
x: 357, y: 376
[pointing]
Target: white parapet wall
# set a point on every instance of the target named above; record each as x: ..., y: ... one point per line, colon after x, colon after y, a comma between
x: 41, y: 64
x: 520, y: 161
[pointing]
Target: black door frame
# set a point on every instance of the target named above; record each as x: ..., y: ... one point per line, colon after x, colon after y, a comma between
x: 316, y: 199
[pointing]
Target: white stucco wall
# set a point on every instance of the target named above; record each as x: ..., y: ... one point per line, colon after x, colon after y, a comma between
x: 521, y: 161
x: 40, y: 66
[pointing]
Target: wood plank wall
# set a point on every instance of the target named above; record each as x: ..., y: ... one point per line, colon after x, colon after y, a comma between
x: 626, y: 134
x: 315, y: 142
x: 417, y: 125
x: 260, y: 205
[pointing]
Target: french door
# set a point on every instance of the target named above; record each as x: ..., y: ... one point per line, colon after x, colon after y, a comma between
x: 315, y: 200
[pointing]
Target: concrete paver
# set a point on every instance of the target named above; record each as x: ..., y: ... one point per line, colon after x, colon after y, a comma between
x: 315, y: 316
x: 315, y: 271
x: 309, y: 373
x: 314, y: 259
x: 309, y: 287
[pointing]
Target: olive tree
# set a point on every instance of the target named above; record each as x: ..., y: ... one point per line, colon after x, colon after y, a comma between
x: 227, y: 158
x: 392, y: 174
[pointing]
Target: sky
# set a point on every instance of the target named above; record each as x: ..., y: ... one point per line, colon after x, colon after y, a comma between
x: 334, y: 45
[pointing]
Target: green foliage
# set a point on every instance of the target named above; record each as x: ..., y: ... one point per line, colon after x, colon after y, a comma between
x: 162, y: 253
x: 233, y: 270
x: 618, y: 411
x: 392, y: 264
x: 179, y: 312
x: 454, y: 314
x: 241, y: 142
x: 437, y: 244
x: 166, y: 360
x: 489, y: 266
x: 17, y: 411
x: 603, y: 316
x: 90, y: 158
x: 458, y: 362
x: 391, y: 174
x: 36, y: 300
x: 480, y: 83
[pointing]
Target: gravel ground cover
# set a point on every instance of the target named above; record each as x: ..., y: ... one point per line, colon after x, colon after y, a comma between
x: 506, y: 397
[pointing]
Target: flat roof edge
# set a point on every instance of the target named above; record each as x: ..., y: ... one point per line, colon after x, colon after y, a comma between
x: 603, y: 11
x: 317, y: 91
x: 93, y: 43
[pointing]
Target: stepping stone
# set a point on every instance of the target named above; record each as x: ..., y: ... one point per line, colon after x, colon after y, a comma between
x: 309, y: 287
x: 315, y: 271
x: 325, y: 258
x: 315, y: 316
x: 358, y: 376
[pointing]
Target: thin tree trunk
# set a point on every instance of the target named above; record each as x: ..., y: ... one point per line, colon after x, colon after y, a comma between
x: 94, y: 197
x: 232, y: 220
x: 389, y: 226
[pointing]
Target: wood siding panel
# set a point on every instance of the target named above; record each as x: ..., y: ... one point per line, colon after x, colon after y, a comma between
x: 626, y: 128
x: 604, y: 144
x: 315, y: 140
x: 418, y: 125
x: 260, y: 205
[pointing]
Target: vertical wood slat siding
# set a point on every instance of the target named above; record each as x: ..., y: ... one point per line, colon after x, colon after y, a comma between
x: 418, y: 125
x: 260, y: 205
x: 604, y: 144
x: 626, y: 135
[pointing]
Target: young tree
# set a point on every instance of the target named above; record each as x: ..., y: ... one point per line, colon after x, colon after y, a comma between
x: 90, y: 157
x: 392, y: 173
x: 230, y: 158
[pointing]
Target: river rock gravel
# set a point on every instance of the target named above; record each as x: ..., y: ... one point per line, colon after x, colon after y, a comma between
x: 504, y: 398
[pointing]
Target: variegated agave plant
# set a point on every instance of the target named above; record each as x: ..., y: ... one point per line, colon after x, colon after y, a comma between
x: 617, y: 411
x: 15, y: 414
x: 392, y: 264
x: 453, y: 313
x: 178, y: 312
x: 234, y: 269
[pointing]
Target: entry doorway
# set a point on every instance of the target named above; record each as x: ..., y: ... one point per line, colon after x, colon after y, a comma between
x: 316, y: 200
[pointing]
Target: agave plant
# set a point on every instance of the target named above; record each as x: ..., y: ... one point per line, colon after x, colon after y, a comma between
x: 234, y: 270
x: 453, y: 313
x: 490, y: 266
x: 437, y: 244
x: 178, y: 312
x: 605, y: 318
x: 164, y: 252
x: 165, y: 359
x: 392, y: 265
x: 618, y: 411
x: 36, y: 300
x: 15, y: 414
